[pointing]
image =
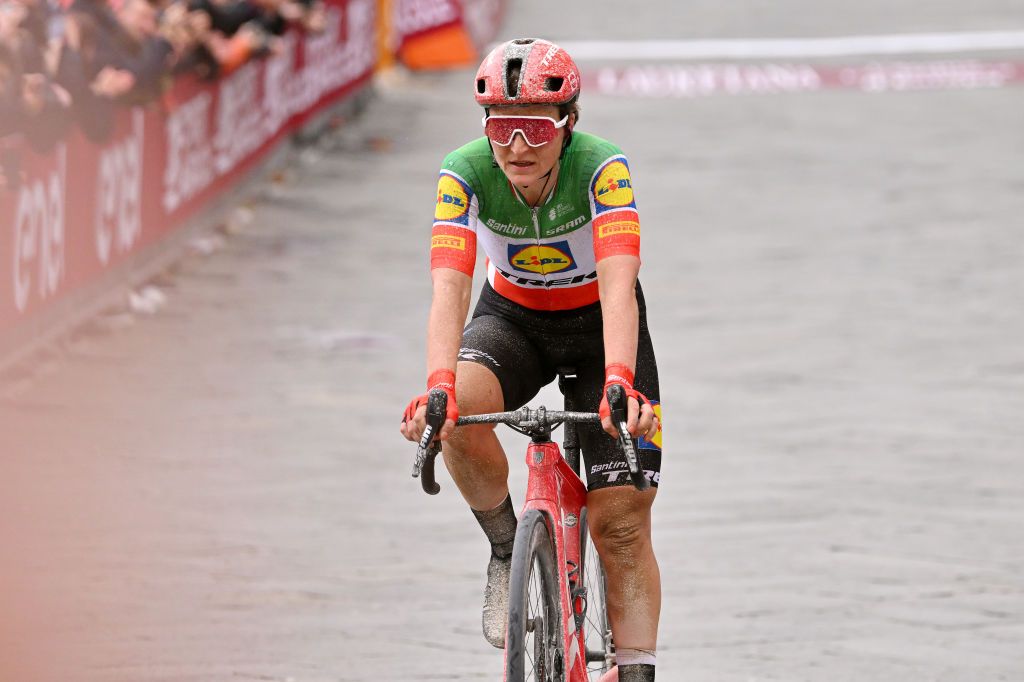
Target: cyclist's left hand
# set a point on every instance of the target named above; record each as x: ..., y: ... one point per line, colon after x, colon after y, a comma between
x: 640, y: 420
x: 640, y: 417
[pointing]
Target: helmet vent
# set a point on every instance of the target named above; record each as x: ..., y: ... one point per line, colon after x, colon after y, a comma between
x: 523, y: 41
x: 553, y: 84
x: 481, y: 85
x: 513, y: 72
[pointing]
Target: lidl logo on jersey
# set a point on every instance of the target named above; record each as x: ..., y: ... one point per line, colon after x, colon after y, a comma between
x: 613, y: 188
x: 654, y: 443
x: 452, y: 200
x: 542, y: 259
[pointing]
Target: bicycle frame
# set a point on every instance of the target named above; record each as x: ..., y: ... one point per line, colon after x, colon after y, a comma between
x: 555, y: 489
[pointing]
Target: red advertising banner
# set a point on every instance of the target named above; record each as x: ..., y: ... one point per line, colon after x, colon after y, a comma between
x: 436, y: 34
x: 82, y: 209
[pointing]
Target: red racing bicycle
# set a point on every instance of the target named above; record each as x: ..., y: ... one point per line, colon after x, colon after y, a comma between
x: 558, y: 628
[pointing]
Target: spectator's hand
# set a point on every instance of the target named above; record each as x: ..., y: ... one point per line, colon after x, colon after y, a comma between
x: 199, y: 24
x: 12, y: 14
x: 63, y: 96
x: 174, y: 27
x: 291, y: 11
x: 33, y: 92
x: 260, y: 42
x: 315, y: 20
x: 111, y: 82
x: 72, y: 33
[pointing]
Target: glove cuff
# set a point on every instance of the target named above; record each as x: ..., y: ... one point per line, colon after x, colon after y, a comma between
x: 443, y: 379
x: 618, y: 374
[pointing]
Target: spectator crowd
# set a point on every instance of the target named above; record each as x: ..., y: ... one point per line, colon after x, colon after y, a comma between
x: 71, y: 62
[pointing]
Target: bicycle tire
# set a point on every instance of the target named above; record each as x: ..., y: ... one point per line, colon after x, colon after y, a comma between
x: 597, y: 638
x: 534, y: 645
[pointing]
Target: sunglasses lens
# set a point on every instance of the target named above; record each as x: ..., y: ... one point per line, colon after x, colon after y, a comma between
x: 537, y: 131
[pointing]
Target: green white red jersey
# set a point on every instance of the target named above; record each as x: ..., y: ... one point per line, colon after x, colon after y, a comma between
x: 543, y: 258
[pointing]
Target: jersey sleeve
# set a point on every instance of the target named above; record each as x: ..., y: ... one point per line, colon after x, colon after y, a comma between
x: 453, y: 238
x: 616, y: 221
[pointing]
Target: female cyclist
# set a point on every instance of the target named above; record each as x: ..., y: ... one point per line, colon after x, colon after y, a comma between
x: 554, y: 212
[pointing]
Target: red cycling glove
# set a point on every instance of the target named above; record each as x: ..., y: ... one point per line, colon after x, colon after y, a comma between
x: 622, y: 375
x: 443, y: 379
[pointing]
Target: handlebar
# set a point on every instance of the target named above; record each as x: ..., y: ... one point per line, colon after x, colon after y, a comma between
x: 525, y: 420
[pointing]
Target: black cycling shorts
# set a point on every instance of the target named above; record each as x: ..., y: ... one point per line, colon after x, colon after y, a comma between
x: 525, y: 348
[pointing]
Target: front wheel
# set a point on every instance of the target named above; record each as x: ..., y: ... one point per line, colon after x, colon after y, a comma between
x: 534, y: 648
x: 597, y: 634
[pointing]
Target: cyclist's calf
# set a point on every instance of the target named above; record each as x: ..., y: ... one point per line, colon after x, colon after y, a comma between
x: 620, y: 523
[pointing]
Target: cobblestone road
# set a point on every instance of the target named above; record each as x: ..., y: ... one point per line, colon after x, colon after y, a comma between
x: 835, y: 283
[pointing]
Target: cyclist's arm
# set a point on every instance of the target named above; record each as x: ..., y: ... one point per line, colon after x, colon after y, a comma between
x: 448, y: 310
x: 616, y: 283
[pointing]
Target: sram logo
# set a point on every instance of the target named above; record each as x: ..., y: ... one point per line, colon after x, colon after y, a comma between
x: 541, y: 258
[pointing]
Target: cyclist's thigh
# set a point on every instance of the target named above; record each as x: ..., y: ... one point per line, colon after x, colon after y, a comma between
x: 604, y: 462
x: 500, y: 346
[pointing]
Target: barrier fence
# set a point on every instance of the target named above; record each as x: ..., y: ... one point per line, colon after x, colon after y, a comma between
x: 83, y: 209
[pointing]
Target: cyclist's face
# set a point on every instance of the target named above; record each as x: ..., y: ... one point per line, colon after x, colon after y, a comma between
x: 523, y: 164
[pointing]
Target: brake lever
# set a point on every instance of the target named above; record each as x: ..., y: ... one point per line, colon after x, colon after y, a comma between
x: 428, y: 449
x: 617, y: 403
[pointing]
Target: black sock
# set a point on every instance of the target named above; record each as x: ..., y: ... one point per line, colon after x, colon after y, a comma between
x: 636, y: 672
x: 499, y: 526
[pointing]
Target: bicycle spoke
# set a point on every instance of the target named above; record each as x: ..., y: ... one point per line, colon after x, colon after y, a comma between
x: 595, y: 619
x: 538, y: 666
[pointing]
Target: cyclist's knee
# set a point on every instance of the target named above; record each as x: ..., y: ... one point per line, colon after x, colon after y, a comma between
x: 467, y: 439
x: 620, y: 522
x: 620, y: 538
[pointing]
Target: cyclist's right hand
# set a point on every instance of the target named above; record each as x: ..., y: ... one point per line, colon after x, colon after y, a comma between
x: 414, y: 421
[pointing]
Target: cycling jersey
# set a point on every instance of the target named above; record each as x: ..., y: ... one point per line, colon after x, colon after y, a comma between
x: 543, y: 258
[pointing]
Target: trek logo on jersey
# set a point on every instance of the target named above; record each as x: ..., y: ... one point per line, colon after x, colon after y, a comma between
x: 618, y: 227
x: 453, y: 197
x: 654, y: 443
x: 543, y: 259
x: 447, y: 241
x: 613, y: 187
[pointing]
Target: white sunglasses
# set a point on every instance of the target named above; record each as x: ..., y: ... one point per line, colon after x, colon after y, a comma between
x: 537, y: 131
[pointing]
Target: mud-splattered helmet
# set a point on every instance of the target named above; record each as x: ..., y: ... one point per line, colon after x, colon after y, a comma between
x: 527, y: 71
